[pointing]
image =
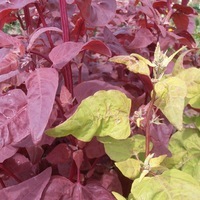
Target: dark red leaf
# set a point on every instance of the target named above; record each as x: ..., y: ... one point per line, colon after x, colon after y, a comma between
x: 97, y: 12
x: 184, y: 9
x: 42, y: 86
x: 6, y: 16
x: 181, y: 21
x: 14, y: 124
x: 60, y: 154
x: 94, y: 149
x: 30, y: 189
x: 20, y: 166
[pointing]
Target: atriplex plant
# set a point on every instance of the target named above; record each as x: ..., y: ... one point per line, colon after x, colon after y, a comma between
x: 134, y: 133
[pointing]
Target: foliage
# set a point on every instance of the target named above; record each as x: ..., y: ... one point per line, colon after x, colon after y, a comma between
x: 99, y: 100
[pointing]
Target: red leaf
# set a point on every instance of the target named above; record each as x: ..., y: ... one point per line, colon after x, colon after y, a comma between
x: 60, y: 154
x: 143, y: 38
x: 9, y: 62
x: 98, y: 47
x: 97, y: 12
x: 63, y: 53
x: 7, y: 40
x: 61, y: 188
x: 30, y: 189
x: 41, y: 85
x: 14, y: 124
x: 184, y: 9
x: 6, y: 16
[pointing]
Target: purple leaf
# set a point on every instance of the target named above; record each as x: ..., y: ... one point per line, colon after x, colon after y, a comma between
x: 30, y: 189
x: 88, y: 88
x: 41, y: 85
x: 38, y: 32
x: 143, y: 38
x: 14, y: 124
x: 14, y: 4
x: 35, y: 153
x: 6, y: 152
x: 63, y: 53
x: 97, y: 12
x: 7, y: 40
x: 62, y: 188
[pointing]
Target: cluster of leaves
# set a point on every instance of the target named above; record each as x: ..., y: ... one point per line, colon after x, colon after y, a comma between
x: 75, y: 125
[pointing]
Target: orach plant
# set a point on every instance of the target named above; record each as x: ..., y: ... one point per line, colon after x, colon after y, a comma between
x: 100, y: 100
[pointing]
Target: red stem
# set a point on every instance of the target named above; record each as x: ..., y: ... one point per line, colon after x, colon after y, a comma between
x: 27, y: 17
x: 20, y: 21
x: 148, y: 118
x: 44, y: 24
x: 66, y: 71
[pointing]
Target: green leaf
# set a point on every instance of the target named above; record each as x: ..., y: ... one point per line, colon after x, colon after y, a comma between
x: 119, y: 150
x: 106, y: 113
x: 118, y: 196
x: 170, y: 98
x: 192, y: 167
x: 191, y: 76
x: 184, y: 146
x: 134, y: 63
x: 129, y: 168
x: 172, y: 184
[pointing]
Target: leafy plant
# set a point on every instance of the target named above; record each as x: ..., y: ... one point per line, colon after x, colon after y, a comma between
x: 99, y: 100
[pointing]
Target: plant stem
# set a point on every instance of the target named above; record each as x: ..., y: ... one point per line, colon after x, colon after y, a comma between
x: 41, y: 55
x: 148, y: 118
x: 20, y: 21
x: 27, y: 17
x: 66, y: 71
x: 44, y: 24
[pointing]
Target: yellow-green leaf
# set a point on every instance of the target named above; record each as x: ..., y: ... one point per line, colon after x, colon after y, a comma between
x: 155, y: 162
x: 191, y: 77
x: 129, y: 168
x: 118, y: 196
x: 106, y: 113
x: 170, y: 98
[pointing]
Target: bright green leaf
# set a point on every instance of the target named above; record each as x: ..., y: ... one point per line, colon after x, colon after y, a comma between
x: 191, y: 76
x: 118, y: 196
x: 106, y: 113
x: 170, y: 98
x: 172, y: 184
x: 129, y: 168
